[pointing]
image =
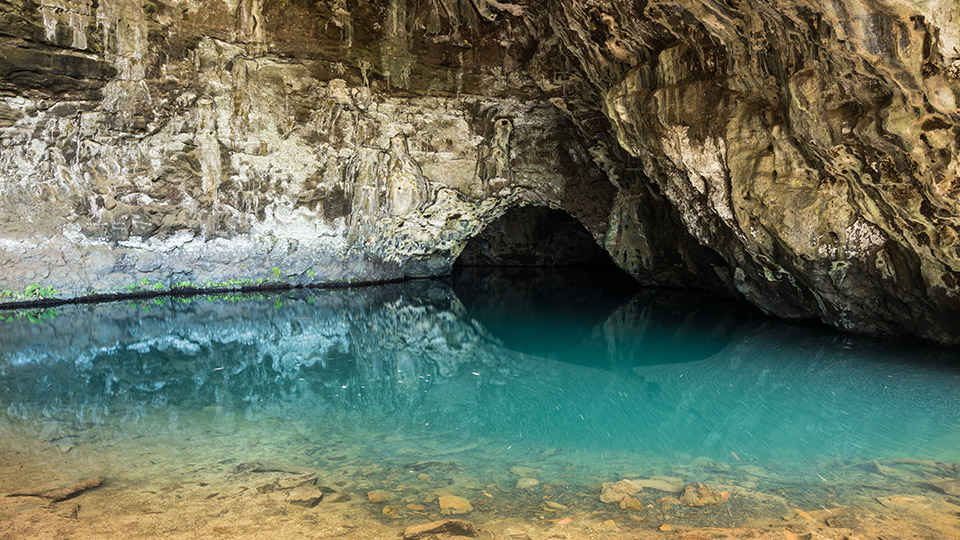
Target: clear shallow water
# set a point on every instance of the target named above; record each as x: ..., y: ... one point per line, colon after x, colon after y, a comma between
x: 427, y: 387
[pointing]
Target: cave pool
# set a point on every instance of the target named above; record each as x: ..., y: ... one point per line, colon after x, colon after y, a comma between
x: 230, y: 414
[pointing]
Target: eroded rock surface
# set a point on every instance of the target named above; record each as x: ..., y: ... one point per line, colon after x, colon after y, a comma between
x: 802, y: 155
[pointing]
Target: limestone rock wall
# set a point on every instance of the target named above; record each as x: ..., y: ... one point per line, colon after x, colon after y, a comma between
x: 801, y: 154
x: 150, y: 145
x: 814, y: 146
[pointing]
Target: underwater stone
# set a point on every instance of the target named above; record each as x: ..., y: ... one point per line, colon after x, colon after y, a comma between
x: 378, y: 496
x: 661, y: 483
x: 697, y: 494
x: 527, y: 483
x: 458, y: 527
x: 452, y: 504
x: 614, y: 492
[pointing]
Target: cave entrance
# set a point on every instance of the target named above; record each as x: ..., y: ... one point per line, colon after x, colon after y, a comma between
x: 535, y: 236
x: 538, y: 281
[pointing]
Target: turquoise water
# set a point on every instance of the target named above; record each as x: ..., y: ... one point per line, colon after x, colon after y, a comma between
x: 380, y: 387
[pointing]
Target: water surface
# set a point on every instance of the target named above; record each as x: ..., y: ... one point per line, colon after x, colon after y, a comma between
x: 432, y: 387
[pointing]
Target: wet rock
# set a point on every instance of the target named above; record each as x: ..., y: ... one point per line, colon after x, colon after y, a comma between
x: 512, y: 533
x: 553, y: 506
x: 391, y: 511
x: 629, y: 503
x: 378, y: 496
x: 305, y: 173
x: 289, y: 482
x: 457, y: 527
x: 950, y: 486
x: 697, y: 494
x: 61, y: 493
x: 525, y: 472
x: 452, y: 504
x: 304, y: 495
x: 668, y: 484
x: 527, y: 483
x: 614, y: 492
x: 664, y: 503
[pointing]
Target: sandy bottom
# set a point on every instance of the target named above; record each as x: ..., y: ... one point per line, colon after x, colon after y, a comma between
x: 210, y: 482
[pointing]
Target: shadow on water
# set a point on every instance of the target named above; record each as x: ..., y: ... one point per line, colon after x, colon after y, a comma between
x: 598, y: 316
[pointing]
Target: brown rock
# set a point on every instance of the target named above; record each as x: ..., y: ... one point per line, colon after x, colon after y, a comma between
x: 697, y: 494
x: 629, y: 503
x: 451, y: 504
x: 391, y: 511
x: 61, y: 493
x: 304, y: 495
x: 378, y: 496
x: 457, y: 527
x: 614, y: 492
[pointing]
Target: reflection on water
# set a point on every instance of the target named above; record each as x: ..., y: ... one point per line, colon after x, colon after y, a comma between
x: 464, y: 383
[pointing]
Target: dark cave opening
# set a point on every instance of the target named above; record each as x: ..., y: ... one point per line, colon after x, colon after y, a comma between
x: 543, y: 253
x: 534, y: 236
x: 537, y: 280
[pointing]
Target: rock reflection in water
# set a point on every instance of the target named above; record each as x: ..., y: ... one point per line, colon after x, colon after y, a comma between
x: 412, y: 357
x: 597, y: 316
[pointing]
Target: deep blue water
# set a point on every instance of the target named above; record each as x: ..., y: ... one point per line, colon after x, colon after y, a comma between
x: 583, y: 380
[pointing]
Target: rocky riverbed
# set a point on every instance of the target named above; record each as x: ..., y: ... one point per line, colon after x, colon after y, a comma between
x: 292, y: 488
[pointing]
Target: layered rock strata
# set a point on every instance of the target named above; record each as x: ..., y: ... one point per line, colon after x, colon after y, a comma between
x: 799, y: 154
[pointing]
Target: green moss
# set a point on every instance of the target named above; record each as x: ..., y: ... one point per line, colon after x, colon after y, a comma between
x: 32, y: 292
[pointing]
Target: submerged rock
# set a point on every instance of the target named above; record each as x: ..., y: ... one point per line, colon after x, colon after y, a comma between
x: 304, y: 495
x: 950, y: 486
x: 457, y: 527
x: 697, y: 494
x: 614, y: 492
x: 668, y: 484
x: 378, y: 496
x: 524, y: 472
x: 629, y: 503
x: 527, y: 483
x: 452, y: 504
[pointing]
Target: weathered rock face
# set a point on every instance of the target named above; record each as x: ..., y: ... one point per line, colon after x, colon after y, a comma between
x: 155, y: 144
x: 800, y: 154
x: 814, y: 147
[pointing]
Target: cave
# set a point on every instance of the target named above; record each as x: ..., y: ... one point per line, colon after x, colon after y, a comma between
x: 534, y: 236
x: 485, y: 258
x: 544, y: 255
